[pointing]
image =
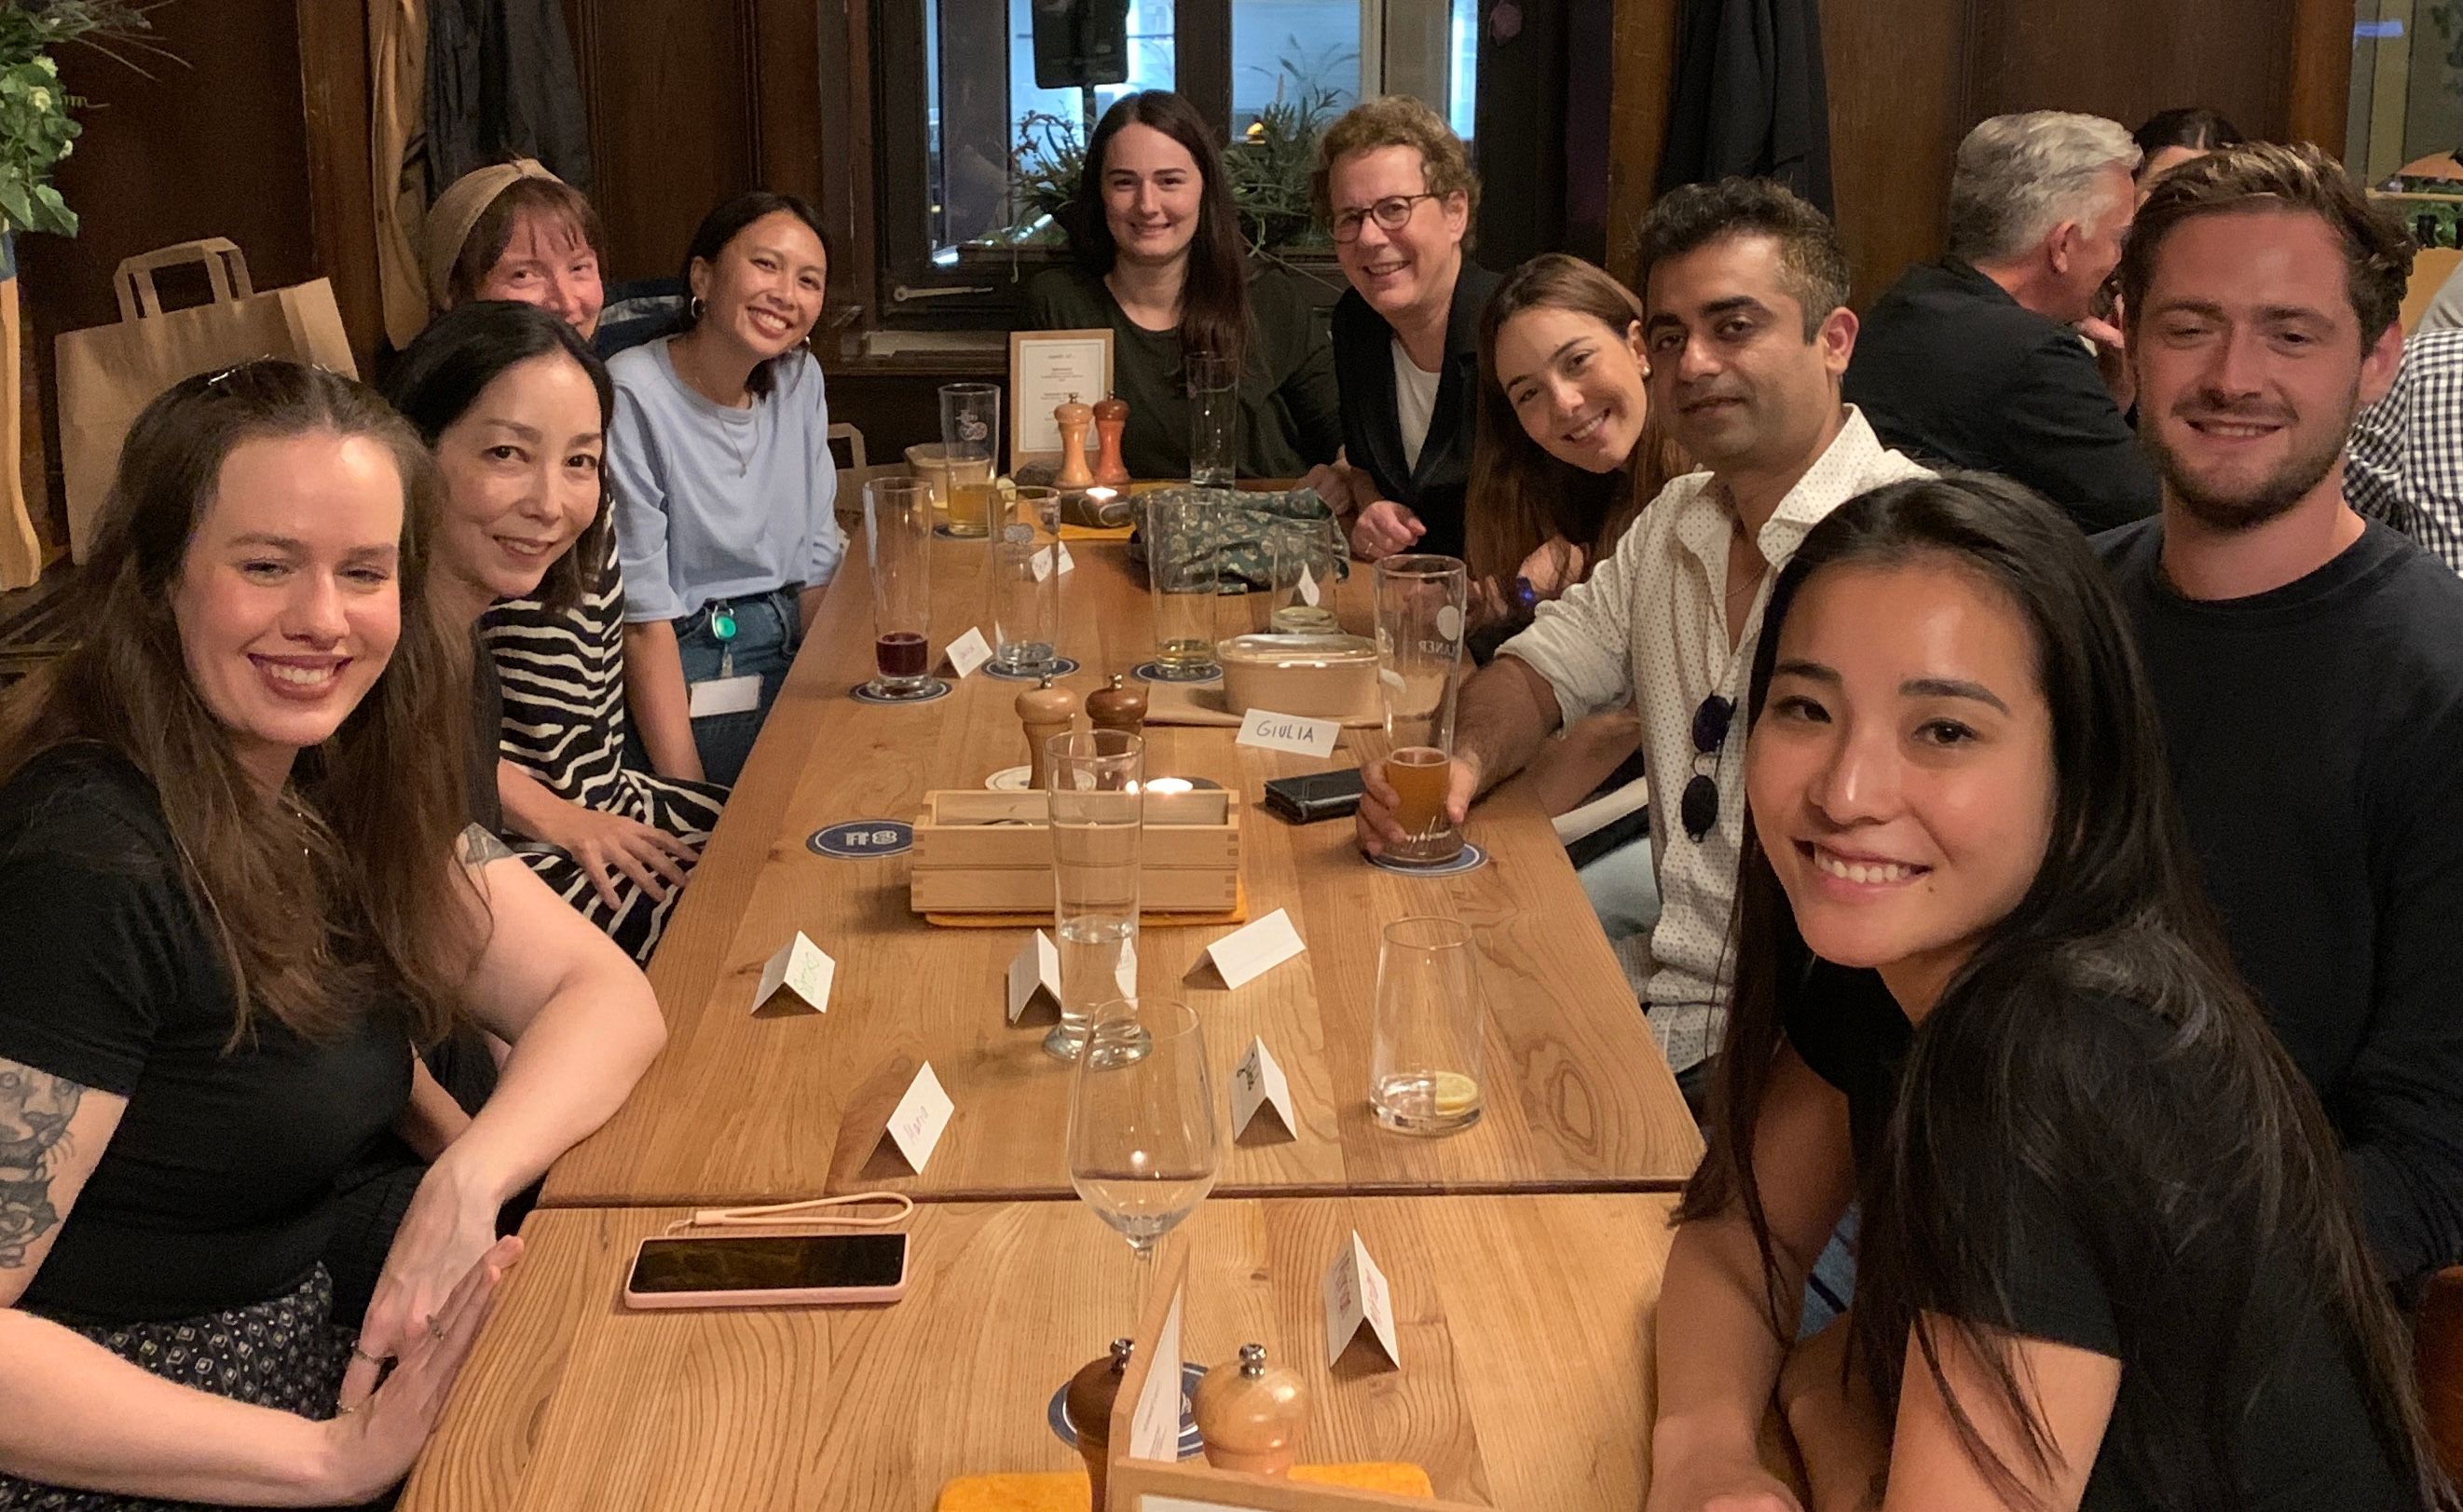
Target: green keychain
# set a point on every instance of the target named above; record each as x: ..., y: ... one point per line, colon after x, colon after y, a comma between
x: 722, y: 629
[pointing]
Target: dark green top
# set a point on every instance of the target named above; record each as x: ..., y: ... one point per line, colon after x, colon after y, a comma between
x: 1291, y: 416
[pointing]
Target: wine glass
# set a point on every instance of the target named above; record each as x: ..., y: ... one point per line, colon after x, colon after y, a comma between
x: 1143, y: 1142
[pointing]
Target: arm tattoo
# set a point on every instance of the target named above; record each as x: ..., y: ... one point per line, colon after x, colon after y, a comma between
x: 479, y: 847
x: 35, y: 1108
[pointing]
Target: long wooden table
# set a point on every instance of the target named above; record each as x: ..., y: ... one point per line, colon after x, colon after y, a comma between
x: 1525, y: 1326
x: 740, y: 1108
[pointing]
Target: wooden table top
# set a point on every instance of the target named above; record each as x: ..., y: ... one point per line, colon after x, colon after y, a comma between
x: 1525, y: 1321
x: 740, y: 1108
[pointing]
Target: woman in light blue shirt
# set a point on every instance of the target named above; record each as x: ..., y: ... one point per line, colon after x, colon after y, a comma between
x: 724, y: 488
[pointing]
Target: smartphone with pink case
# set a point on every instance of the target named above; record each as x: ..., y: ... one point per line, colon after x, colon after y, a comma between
x: 767, y: 1270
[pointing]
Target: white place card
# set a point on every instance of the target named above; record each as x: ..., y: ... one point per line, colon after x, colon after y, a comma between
x: 801, y: 967
x: 1154, y: 1427
x: 969, y: 652
x: 1045, y: 557
x: 1289, y: 732
x: 1356, y: 1292
x: 1254, y: 949
x: 1257, y: 1082
x: 1035, y: 973
x: 916, y: 1124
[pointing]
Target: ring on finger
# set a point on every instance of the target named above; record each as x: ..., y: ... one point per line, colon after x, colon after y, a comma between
x: 358, y: 1353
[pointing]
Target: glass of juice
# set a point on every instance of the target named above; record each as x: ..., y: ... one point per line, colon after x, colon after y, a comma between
x: 1420, y: 601
x: 1429, y: 1032
x: 970, y: 445
x: 898, y: 548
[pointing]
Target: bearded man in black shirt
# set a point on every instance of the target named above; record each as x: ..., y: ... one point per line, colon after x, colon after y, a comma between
x: 2307, y: 664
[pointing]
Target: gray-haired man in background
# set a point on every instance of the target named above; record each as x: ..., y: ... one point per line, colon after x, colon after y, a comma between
x: 1977, y: 360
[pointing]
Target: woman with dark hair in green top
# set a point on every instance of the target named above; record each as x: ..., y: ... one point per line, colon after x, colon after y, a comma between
x: 1157, y: 258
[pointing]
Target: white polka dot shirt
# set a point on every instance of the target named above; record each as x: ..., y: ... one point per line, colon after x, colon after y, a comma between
x: 1649, y: 625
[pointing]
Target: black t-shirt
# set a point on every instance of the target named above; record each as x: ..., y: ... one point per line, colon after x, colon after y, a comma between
x: 217, y: 1187
x: 2090, y: 1242
x: 1434, y: 487
x: 2316, y: 739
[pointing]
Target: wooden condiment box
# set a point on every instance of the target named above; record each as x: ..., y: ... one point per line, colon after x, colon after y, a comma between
x: 991, y: 853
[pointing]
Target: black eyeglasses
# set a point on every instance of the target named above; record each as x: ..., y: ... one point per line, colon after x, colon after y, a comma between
x: 1391, y: 213
x: 1699, y: 807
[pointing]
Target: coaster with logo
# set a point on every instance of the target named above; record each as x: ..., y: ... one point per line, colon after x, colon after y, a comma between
x: 1472, y: 859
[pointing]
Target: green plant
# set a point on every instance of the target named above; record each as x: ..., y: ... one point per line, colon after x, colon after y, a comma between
x: 37, y: 123
x: 1269, y: 166
x: 1043, y: 172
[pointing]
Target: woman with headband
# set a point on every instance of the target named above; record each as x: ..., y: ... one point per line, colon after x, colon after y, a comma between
x: 614, y: 840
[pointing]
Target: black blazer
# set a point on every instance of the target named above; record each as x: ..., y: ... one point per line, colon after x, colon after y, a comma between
x: 1372, y: 433
x: 1950, y: 369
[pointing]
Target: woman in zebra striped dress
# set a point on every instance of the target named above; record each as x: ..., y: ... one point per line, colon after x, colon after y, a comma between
x: 612, y: 840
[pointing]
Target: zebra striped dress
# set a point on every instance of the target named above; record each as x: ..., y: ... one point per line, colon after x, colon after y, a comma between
x: 563, y: 680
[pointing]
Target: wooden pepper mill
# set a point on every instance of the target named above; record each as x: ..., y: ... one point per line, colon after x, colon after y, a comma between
x: 1073, y: 418
x: 1111, y: 419
x: 1250, y: 1416
x: 1117, y: 707
x: 1092, y: 1391
x: 1045, y: 711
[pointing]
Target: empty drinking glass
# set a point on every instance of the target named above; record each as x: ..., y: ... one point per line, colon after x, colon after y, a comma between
x: 1306, y: 565
x: 970, y: 446
x: 1424, y: 1056
x: 1025, y: 581
x: 898, y: 548
x: 1098, y: 809
x: 1213, y: 419
x: 1143, y: 1140
x: 1419, y: 669
x: 1181, y: 568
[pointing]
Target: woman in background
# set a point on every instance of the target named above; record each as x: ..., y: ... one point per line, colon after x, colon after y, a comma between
x: 1157, y: 258
x: 612, y: 839
x: 725, y: 487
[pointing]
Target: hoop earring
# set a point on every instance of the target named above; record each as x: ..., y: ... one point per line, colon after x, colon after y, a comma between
x: 696, y: 307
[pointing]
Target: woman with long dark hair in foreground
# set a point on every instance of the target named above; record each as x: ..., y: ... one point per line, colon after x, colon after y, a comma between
x: 2106, y: 1260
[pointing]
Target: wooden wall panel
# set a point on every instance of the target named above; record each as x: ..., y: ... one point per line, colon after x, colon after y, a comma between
x: 2128, y: 59
x: 674, y: 104
x: 1893, y: 67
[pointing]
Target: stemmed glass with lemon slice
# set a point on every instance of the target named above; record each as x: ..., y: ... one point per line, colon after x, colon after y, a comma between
x: 1424, y: 1061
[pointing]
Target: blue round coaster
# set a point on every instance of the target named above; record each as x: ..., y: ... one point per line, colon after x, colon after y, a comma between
x: 863, y: 693
x: 1191, y: 1442
x: 1056, y: 667
x: 858, y: 838
x: 1472, y: 859
x: 1157, y: 672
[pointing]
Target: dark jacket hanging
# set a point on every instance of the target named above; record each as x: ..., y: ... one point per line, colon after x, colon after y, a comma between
x: 1748, y: 96
x: 501, y: 83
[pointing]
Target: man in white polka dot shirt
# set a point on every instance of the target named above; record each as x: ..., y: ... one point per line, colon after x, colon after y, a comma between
x: 1745, y: 289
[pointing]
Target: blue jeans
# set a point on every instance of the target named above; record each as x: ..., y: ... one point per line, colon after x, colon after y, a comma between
x: 767, y: 634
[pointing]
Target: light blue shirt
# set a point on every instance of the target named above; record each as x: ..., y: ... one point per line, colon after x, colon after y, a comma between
x: 714, y: 503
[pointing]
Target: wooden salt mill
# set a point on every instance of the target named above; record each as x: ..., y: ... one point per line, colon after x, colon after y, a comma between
x: 1092, y: 1391
x: 1117, y: 707
x: 1111, y: 419
x: 1045, y: 711
x: 1251, y: 1418
x: 1073, y: 418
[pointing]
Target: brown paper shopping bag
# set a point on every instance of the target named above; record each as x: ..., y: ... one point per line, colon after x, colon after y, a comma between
x: 108, y: 374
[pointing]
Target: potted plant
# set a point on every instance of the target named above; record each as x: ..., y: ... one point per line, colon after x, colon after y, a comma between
x: 37, y: 124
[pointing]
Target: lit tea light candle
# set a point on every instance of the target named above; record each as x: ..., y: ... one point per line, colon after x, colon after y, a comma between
x: 1104, y: 506
x: 1170, y: 784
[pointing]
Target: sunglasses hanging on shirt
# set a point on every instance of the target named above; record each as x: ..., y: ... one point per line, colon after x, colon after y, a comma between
x: 1699, y: 807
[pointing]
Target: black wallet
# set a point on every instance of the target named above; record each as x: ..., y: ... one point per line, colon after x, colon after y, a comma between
x: 1319, y: 795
